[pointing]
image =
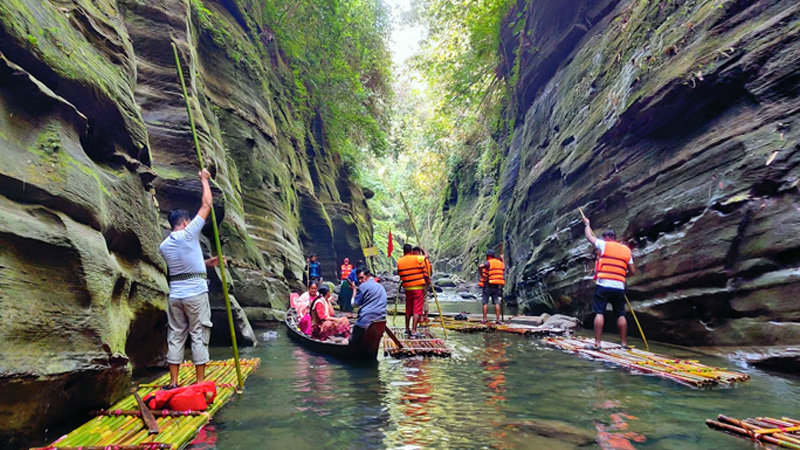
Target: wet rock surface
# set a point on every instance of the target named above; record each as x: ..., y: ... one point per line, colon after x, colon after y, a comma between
x: 784, y: 359
x: 676, y: 125
x: 96, y: 149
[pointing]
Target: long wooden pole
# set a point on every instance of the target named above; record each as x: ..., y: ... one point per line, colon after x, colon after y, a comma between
x: 220, y: 258
x: 633, y: 313
x: 414, y: 227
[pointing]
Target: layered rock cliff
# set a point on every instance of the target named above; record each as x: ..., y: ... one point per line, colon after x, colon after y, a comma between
x: 674, y: 123
x: 95, y: 148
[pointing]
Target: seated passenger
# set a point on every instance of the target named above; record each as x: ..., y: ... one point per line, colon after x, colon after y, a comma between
x: 301, y: 306
x: 324, y: 324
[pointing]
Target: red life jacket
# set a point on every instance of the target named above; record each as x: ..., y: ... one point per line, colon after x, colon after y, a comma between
x: 195, y: 397
x: 346, y: 269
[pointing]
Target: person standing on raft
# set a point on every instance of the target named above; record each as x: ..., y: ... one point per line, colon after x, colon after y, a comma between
x: 345, y: 291
x: 414, y: 278
x: 429, y: 272
x: 483, y: 280
x: 493, y: 288
x: 188, y: 313
x: 614, y: 265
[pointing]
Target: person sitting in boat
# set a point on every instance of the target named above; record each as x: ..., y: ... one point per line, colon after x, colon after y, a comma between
x: 323, y: 322
x: 303, y: 303
x: 371, y: 300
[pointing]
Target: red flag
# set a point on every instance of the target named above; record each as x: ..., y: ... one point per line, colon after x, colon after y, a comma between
x: 391, y: 245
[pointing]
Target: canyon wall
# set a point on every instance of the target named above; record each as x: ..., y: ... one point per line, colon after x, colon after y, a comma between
x: 674, y: 123
x: 95, y: 149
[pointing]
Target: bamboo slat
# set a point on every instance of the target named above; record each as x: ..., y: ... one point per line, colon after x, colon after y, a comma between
x: 688, y: 372
x: 427, y: 346
x: 120, y: 427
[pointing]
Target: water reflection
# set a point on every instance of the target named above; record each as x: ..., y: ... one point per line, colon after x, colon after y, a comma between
x: 313, y: 378
x: 497, y: 392
x: 495, y: 361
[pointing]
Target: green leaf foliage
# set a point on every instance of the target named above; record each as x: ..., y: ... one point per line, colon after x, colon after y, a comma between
x: 342, y: 66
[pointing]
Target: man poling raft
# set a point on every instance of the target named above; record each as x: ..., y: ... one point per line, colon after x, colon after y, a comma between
x: 188, y: 312
x: 415, y: 281
x: 614, y: 264
x: 429, y: 271
x: 493, y: 285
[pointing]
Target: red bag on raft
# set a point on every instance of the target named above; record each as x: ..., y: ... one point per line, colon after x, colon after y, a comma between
x: 189, y: 398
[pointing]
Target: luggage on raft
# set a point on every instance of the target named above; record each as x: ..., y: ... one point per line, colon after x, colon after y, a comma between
x: 196, y: 397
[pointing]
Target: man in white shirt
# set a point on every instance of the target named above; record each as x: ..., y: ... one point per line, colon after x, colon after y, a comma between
x: 188, y: 313
x: 613, y: 266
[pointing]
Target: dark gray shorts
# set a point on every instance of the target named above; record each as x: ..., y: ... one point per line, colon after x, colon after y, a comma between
x: 493, y: 292
x: 604, y: 295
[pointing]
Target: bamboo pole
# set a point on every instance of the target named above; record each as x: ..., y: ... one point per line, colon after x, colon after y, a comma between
x: 217, y: 243
x: 414, y: 227
x: 638, y: 325
x: 143, y: 446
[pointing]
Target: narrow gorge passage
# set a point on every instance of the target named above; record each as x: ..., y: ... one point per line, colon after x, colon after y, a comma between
x: 462, y: 127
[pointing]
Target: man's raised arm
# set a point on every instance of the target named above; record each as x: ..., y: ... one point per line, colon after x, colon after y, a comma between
x: 587, y: 230
x: 208, y: 199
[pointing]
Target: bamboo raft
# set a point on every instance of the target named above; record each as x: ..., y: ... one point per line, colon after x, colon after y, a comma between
x: 428, y: 346
x: 468, y: 326
x: 121, y: 428
x: 783, y: 433
x: 687, y: 372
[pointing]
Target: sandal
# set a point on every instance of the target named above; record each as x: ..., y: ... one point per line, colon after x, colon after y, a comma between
x: 625, y: 346
x: 169, y: 387
x: 593, y: 347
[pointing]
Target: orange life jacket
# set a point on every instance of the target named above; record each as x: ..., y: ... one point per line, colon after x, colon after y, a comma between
x: 613, y: 263
x: 484, y: 277
x: 496, y: 272
x: 346, y: 269
x: 428, y: 268
x: 411, y: 271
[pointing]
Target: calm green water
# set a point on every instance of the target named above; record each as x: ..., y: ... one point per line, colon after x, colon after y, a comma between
x: 490, y: 394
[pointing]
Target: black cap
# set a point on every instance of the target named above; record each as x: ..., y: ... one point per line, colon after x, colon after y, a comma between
x: 609, y: 234
x: 489, y: 252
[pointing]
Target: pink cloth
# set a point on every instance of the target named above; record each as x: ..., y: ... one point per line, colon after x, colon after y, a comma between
x: 305, y: 324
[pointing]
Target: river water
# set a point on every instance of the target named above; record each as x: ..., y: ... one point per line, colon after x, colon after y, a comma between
x: 498, y: 391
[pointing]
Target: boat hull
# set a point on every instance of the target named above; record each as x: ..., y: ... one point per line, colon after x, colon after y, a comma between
x: 366, y: 349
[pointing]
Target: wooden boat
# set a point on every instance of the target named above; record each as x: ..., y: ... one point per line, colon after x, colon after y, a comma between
x: 364, y: 350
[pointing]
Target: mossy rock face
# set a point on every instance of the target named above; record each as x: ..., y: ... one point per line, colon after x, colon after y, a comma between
x: 90, y: 128
x: 673, y: 123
